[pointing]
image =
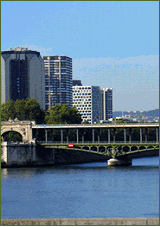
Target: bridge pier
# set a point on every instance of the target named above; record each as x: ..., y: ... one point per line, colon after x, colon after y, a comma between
x: 119, y: 162
x: 18, y: 153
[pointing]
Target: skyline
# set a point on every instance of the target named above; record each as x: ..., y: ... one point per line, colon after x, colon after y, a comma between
x: 112, y: 44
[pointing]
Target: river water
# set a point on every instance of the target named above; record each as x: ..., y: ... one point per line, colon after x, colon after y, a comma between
x: 92, y: 190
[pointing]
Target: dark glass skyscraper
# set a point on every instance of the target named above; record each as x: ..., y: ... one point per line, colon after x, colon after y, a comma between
x: 22, y: 75
x: 106, y: 103
x: 58, y: 80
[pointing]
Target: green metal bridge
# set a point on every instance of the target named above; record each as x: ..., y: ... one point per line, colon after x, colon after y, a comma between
x: 118, y: 150
x: 82, y: 151
x: 124, y: 150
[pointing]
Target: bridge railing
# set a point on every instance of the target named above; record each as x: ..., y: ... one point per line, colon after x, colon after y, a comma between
x: 95, y: 142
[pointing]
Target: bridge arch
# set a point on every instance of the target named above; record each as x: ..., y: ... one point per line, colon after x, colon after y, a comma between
x: 24, y: 128
x: 13, y: 130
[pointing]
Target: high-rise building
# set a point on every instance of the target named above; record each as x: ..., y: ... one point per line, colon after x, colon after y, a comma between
x: 22, y: 75
x: 93, y: 103
x: 87, y: 101
x: 77, y: 82
x: 106, y: 104
x: 58, y: 80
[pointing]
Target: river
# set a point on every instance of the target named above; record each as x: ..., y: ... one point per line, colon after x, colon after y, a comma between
x: 92, y: 190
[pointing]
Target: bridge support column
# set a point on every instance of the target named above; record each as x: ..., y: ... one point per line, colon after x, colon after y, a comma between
x: 140, y: 135
x: 46, y: 135
x: 157, y: 135
x: 67, y: 136
x: 77, y: 136
x: 83, y: 136
x: 119, y: 162
x: 114, y: 135
x: 98, y: 135
x: 61, y: 135
x: 146, y: 135
x: 36, y: 133
x: 124, y: 135
x: 130, y: 133
x: 92, y: 135
x: 53, y: 135
x: 109, y: 135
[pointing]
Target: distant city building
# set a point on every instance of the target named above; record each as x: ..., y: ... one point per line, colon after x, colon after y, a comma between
x: 106, y: 104
x: 77, y: 83
x: 87, y: 101
x: 58, y: 80
x: 22, y: 75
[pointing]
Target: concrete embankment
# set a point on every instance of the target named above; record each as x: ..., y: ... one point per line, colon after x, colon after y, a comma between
x: 82, y: 221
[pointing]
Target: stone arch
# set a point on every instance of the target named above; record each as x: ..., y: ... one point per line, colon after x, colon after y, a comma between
x: 24, y: 128
x: 13, y: 130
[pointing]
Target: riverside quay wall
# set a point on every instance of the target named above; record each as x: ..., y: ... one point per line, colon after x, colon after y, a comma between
x: 29, y: 154
x: 83, y: 221
x: 24, y: 154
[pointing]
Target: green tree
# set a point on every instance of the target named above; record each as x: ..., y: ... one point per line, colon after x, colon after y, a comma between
x: 24, y: 109
x: 33, y: 111
x: 74, y: 116
x: 7, y: 110
x: 19, y: 106
x: 61, y: 114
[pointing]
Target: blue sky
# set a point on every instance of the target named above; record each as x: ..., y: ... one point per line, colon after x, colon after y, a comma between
x: 112, y: 43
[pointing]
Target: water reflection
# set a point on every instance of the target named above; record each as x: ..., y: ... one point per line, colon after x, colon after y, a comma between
x: 137, y: 164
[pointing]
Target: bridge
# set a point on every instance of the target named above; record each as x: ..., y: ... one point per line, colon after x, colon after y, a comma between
x: 110, y: 127
x: 119, y: 152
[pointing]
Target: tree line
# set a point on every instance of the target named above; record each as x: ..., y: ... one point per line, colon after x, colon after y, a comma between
x: 29, y: 109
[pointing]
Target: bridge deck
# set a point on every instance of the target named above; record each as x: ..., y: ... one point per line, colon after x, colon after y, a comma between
x: 78, y: 126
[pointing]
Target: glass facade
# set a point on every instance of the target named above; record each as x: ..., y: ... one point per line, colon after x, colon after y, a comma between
x: 22, y: 75
x: 58, y: 80
x: 106, y: 104
x: 19, y: 83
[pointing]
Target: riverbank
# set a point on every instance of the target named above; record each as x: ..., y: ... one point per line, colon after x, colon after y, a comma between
x: 82, y: 221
